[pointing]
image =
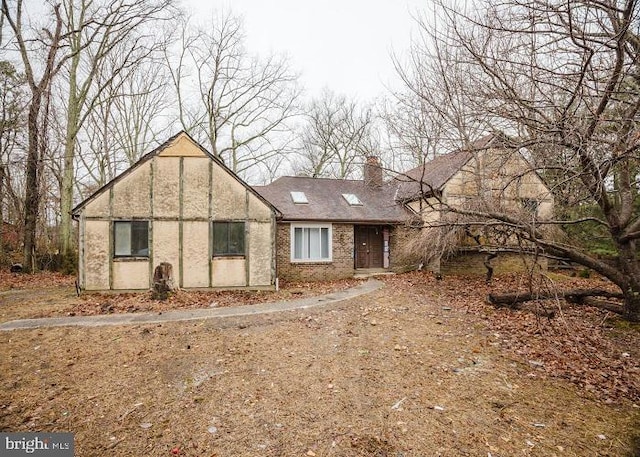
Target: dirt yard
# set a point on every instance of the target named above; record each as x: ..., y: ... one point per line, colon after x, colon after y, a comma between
x: 418, y: 368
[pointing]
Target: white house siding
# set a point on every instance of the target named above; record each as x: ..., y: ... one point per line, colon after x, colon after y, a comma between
x: 195, y: 254
x: 166, y: 244
x: 195, y: 188
x: 229, y: 272
x: 130, y: 275
x: 96, y: 255
x: 261, y: 232
x: 132, y: 196
x: 166, y: 187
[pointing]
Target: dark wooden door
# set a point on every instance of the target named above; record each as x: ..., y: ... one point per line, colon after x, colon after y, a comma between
x: 369, y: 246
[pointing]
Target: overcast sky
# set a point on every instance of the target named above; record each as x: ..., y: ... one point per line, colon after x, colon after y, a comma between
x: 344, y: 45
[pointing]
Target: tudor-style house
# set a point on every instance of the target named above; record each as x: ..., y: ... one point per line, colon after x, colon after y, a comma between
x: 181, y: 205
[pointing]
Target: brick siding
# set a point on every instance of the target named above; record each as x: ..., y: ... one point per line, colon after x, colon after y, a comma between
x: 472, y: 263
x: 340, y: 267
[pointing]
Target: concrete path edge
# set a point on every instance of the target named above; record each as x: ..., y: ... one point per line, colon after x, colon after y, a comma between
x: 194, y: 314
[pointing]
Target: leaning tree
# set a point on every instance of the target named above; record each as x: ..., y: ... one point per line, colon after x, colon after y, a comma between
x: 562, y: 80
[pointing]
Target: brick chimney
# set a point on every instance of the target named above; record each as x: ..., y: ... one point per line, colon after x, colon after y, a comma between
x: 372, y: 172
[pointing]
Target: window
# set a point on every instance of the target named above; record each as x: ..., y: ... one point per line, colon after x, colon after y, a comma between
x: 299, y: 198
x: 311, y: 243
x: 352, y: 199
x: 131, y: 238
x: 228, y: 238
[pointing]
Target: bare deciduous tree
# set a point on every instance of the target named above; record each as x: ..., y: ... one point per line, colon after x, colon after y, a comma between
x: 106, y: 40
x: 125, y: 122
x: 11, y: 131
x: 39, y: 51
x: 240, y: 105
x: 563, y: 80
x: 335, y: 137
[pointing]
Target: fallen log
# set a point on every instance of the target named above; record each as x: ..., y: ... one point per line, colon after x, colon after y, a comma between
x: 575, y: 296
x: 603, y: 304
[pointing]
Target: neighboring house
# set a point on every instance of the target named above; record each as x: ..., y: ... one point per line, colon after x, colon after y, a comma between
x: 488, y: 175
x: 181, y: 205
x: 331, y: 228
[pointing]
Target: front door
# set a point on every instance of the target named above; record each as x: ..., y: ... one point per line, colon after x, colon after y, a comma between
x: 369, y: 246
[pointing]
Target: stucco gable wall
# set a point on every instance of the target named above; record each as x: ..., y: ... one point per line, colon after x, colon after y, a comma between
x: 99, y: 206
x: 132, y: 194
x: 180, y: 190
x: 182, y: 146
x: 166, y: 186
x: 428, y: 209
x: 195, y: 196
x: 258, y: 209
x: 229, y: 196
x: 502, y: 179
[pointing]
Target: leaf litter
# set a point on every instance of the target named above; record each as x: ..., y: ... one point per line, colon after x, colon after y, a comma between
x: 462, y: 380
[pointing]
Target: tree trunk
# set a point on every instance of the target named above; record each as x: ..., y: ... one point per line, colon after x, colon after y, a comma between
x: 66, y: 242
x: 2, y: 231
x: 630, y: 287
x: 32, y: 192
x: 488, y: 266
x: 632, y: 304
x: 162, y: 281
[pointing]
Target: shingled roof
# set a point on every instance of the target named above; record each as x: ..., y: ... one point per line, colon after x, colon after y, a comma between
x: 434, y: 174
x: 326, y: 201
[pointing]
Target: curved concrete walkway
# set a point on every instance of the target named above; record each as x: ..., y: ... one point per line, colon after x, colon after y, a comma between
x: 193, y: 314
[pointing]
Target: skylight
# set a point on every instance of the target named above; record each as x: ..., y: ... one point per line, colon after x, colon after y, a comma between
x: 352, y: 199
x: 299, y: 197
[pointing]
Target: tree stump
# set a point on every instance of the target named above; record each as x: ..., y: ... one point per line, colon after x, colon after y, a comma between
x: 162, y: 281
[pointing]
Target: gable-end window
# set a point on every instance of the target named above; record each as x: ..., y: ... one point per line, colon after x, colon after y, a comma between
x: 311, y: 243
x: 228, y: 239
x: 299, y: 198
x: 131, y: 238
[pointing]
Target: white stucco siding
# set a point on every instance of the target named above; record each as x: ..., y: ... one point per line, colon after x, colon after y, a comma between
x: 429, y: 209
x: 131, y: 195
x: 96, y: 255
x: 545, y: 209
x: 258, y: 209
x: 166, y: 187
x: 195, y: 198
x: 499, y: 181
x: 131, y: 275
x: 195, y: 254
x: 260, y: 253
x: 229, y: 196
x: 166, y: 245
x: 228, y: 272
x: 99, y: 206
